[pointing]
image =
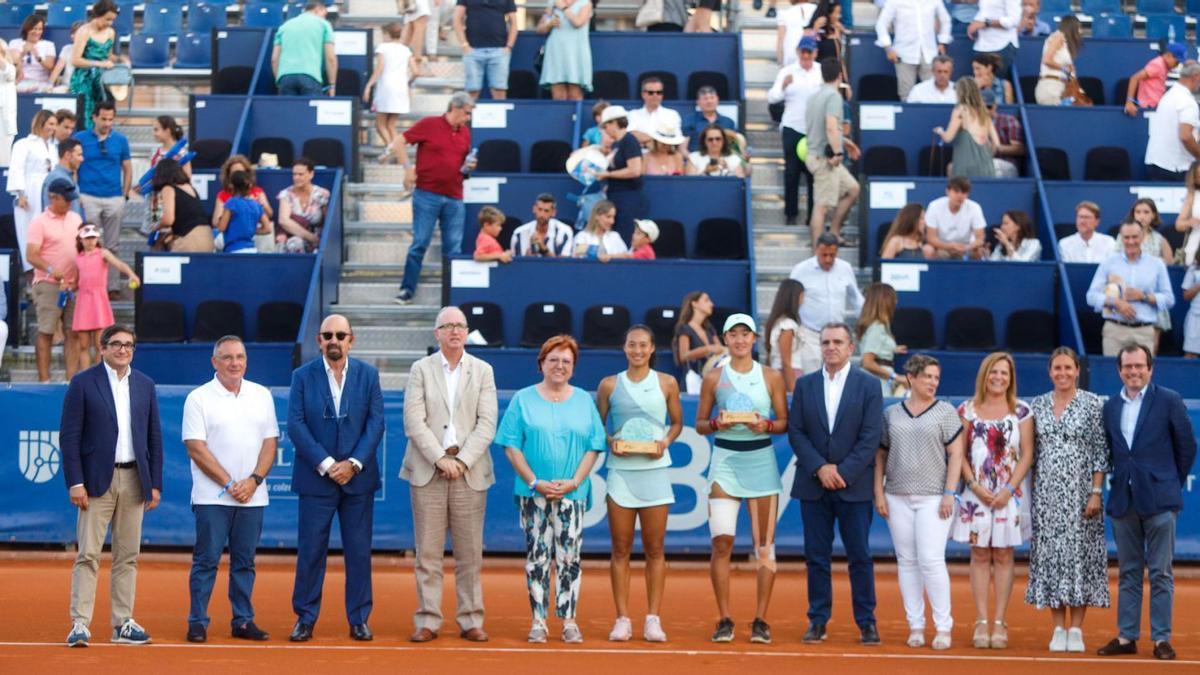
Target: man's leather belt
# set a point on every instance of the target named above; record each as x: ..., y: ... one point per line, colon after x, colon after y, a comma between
x: 125, y: 465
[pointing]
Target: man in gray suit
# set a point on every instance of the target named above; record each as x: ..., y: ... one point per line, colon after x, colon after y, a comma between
x: 450, y: 419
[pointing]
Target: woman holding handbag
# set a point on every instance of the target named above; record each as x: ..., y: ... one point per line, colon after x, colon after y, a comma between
x: 1058, y: 62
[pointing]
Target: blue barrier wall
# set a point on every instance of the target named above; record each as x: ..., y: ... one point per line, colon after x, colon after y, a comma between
x: 959, y: 370
x: 238, y: 47
x: 513, y: 368
x: 215, y: 116
x: 302, y: 119
x: 525, y: 122
x: 1077, y: 130
x: 34, y: 505
x: 908, y: 126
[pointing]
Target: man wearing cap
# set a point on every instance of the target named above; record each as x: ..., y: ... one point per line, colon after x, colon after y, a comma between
x: 1148, y: 85
x: 937, y: 89
x: 51, y: 251
x: 70, y: 156
x: 545, y: 235
x: 794, y: 85
x: 1172, y: 146
x: 922, y: 29
x: 653, y: 114
x: 1012, y: 148
x: 105, y: 177
x: 645, y: 233
x: 624, y: 173
x: 704, y: 115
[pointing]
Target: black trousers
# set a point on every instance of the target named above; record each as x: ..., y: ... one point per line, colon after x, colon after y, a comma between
x: 793, y: 168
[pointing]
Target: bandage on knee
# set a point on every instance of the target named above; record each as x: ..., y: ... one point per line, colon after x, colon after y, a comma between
x: 765, y: 556
x: 722, y: 517
x: 764, y: 534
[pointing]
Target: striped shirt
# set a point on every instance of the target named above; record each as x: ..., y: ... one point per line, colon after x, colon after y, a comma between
x: 916, y: 448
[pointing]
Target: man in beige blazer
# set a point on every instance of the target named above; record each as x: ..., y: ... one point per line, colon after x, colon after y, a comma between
x: 450, y: 420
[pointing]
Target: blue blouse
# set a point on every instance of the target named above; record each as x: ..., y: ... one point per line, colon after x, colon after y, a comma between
x: 553, y: 437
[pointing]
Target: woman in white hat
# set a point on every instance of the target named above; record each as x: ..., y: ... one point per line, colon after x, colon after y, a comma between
x: 665, y: 157
x: 743, y: 465
x: 625, y: 168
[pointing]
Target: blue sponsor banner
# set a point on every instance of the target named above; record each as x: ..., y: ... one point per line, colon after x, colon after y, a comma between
x: 34, y: 506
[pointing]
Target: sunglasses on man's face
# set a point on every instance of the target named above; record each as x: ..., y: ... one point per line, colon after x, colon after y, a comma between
x: 653, y: 92
x: 329, y: 336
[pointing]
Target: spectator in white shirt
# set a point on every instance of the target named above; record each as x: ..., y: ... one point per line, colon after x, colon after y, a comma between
x: 954, y: 225
x: 922, y: 29
x: 994, y: 29
x: 937, y: 89
x: 1086, y: 245
x: 830, y: 290
x: 653, y: 114
x: 545, y: 235
x: 1016, y: 239
x: 792, y: 22
x: 794, y: 85
x: 1172, y: 145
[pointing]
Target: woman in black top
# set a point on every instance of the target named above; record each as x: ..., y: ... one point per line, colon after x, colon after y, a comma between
x: 826, y: 22
x: 624, y: 174
x: 184, y: 223
x: 696, y: 340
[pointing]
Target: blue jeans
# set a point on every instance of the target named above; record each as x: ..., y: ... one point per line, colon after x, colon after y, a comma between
x: 1141, y: 543
x: 491, y: 62
x: 854, y: 524
x: 430, y: 209
x: 217, y: 525
x: 298, y: 85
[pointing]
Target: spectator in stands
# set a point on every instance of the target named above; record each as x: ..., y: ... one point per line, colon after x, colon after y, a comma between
x: 954, y: 224
x: 1011, y: 148
x: 553, y: 435
x: 395, y: 68
x: 599, y: 240
x: 972, y: 134
x: 64, y: 68
x: 796, y: 83
x: 545, y: 235
x: 1147, y: 86
x: 705, y: 114
x: 8, y: 104
x: 1172, y: 147
x: 242, y: 218
x: 486, y: 31
x: 1086, y: 245
x: 302, y: 210
x: 717, y: 158
x: 653, y: 113
x: 876, y: 343
x: 702, y: 15
x: 66, y: 124
x: 905, y: 239
x: 417, y: 31
x: 986, y: 70
x: 35, y: 55
x: 1031, y: 24
x: 664, y: 156
x: 833, y: 185
x: 93, y: 311
x: 593, y: 135
x: 624, y: 173
x: 487, y: 243
x: 785, y: 343
x: 1128, y: 290
x: 51, y: 252
x: 792, y: 24
x: 263, y: 243
x: 567, y: 62
x: 696, y: 345
x: 922, y: 30
x: 645, y: 233
x: 70, y: 156
x: 1144, y: 212
x: 937, y: 89
x: 826, y: 26
x: 95, y: 50
x: 1016, y: 238
x: 436, y: 179
x: 1191, y: 325
x: 105, y: 176
x: 167, y: 133
x: 994, y: 30
x: 32, y: 158
x: 831, y: 290
x: 303, y: 47
x: 184, y: 227
x: 1188, y: 220
x: 1059, y: 52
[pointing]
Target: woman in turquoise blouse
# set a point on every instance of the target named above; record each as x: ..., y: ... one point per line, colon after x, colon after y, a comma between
x: 640, y: 404
x: 552, y: 434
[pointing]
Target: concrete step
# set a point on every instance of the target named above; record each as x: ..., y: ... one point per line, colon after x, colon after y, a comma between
x: 387, y: 248
x: 376, y: 337
x: 358, y: 292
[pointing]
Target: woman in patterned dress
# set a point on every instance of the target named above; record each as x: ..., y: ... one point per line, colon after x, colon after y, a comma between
x: 94, y: 52
x: 993, y: 514
x: 1068, y: 558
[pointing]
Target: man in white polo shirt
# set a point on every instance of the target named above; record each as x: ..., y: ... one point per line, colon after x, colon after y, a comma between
x: 1172, y: 146
x: 231, y: 432
x: 954, y: 225
x: 1086, y: 245
x: 653, y: 114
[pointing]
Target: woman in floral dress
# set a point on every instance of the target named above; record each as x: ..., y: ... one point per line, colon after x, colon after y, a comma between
x: 993, y: 514
x: 1068, y: 559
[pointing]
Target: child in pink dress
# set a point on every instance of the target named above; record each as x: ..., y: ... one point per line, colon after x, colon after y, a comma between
x: 93, y: 313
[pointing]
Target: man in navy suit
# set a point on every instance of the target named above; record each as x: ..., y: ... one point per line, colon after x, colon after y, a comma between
x: 335, y: 421
x: 111, y: 445
x: 834, y: 427
x: 1152, y: 445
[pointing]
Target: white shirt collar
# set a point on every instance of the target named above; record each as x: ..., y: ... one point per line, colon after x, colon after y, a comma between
x: 112, y: 373
x: 329, y: 368
x: 1137, y: 398
x: 839, y: 376
x: 222, y: 391
x: 446, y: 362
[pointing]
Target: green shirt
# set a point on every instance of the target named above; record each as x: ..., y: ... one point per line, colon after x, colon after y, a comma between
x: 301, y: 44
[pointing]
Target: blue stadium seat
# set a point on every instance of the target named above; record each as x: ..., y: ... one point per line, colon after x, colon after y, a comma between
x: 1193, y: 7
x: 125, y: 15
x: 162, y: 18
x: 63, y: 14
x: 1095, y: 7
x: 262, y: 15
x: 292, y: 10
x: 1158, y: 26
x: 150, y: 51
x: 13, y: 14
x: 203, y: 18
x: 1112, y: 26
x: 1156, y: 6
x: 1056, y: 7
x: 194, y: 50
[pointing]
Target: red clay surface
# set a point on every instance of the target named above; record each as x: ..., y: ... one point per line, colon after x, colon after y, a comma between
x: 34, y: 595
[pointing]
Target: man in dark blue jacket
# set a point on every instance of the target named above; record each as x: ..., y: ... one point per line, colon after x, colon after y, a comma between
x: 1153, y: 447
x: 111, y: 444
x: 335, y: 421
x: 834, y: 427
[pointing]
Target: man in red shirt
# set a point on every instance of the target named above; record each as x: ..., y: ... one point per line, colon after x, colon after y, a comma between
x: 1147, y: 85
x: 443, y: 144
x: 51, y: 251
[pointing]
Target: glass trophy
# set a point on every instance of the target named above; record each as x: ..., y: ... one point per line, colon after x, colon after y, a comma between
x: 639, y: 436
x: 739, y: 409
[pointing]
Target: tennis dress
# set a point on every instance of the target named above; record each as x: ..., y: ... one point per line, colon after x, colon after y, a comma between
x: 391, y: 90
x: 744, y: 473
x: 636, y: 482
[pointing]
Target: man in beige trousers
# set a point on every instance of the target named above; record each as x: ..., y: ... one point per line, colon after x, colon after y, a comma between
x: 450, y: 415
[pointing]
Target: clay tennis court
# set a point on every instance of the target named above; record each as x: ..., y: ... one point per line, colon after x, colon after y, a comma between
x: 34, y: 589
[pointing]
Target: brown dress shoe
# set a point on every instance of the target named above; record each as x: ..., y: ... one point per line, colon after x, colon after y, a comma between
x: 422, y: 635
x: 474, y: 635
x: 1116, y: 648
x: 1163, y: 651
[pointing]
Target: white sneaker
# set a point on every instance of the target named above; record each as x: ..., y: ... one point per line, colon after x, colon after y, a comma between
x: 652, y: 631
x: 1058, y: 641
x: 1075, y: 640
x: 622, y: 630
x: 916, y: 638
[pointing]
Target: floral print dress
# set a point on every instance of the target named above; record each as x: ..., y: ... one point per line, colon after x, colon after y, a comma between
x: 993, y: 449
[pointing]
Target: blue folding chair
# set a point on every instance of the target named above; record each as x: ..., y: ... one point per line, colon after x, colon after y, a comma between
x: 63, y: 14
x: 150, y: 51
x: 14, y: 14
x: 194, y: 50
x: 1156, y: 6
x: 1112, y: 26
x: 1056, y: 7
x: 1094, y: 7
x: 162, y: 18
x: 203, y: 18
x: 1164, y: 26
x: 262, y: 15
x: 293, y: 9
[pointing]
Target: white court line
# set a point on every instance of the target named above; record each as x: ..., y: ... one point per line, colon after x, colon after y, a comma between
x: 631, y: 651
